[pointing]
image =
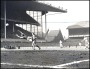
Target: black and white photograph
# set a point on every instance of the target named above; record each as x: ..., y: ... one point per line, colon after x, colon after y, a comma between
x: 41, y: 34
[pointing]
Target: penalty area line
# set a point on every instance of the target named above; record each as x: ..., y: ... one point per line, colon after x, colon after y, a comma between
x: 74, y: 62
x: 42, y: 66
x: 26, y: 65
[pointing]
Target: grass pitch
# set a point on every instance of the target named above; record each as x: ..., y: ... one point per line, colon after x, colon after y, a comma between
x: 43, y: 57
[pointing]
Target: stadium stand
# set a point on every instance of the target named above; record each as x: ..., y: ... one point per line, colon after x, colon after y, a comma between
x: 24, y: 31
x: 77, y: 33
x: 72, y: 41
x: 16, y: 14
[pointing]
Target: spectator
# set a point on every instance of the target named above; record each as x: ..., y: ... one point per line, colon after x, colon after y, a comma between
x: 69, y: 45
x: 18, y: 47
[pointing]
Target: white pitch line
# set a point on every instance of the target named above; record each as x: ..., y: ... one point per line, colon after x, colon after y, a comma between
x: 66, y: 64
x: 26, y: 65
x: 41, y: 66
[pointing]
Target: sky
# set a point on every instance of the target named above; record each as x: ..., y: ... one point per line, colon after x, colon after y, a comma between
x: 76, y: 11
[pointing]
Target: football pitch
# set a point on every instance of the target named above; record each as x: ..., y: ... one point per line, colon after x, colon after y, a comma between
x: 45, y: 59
